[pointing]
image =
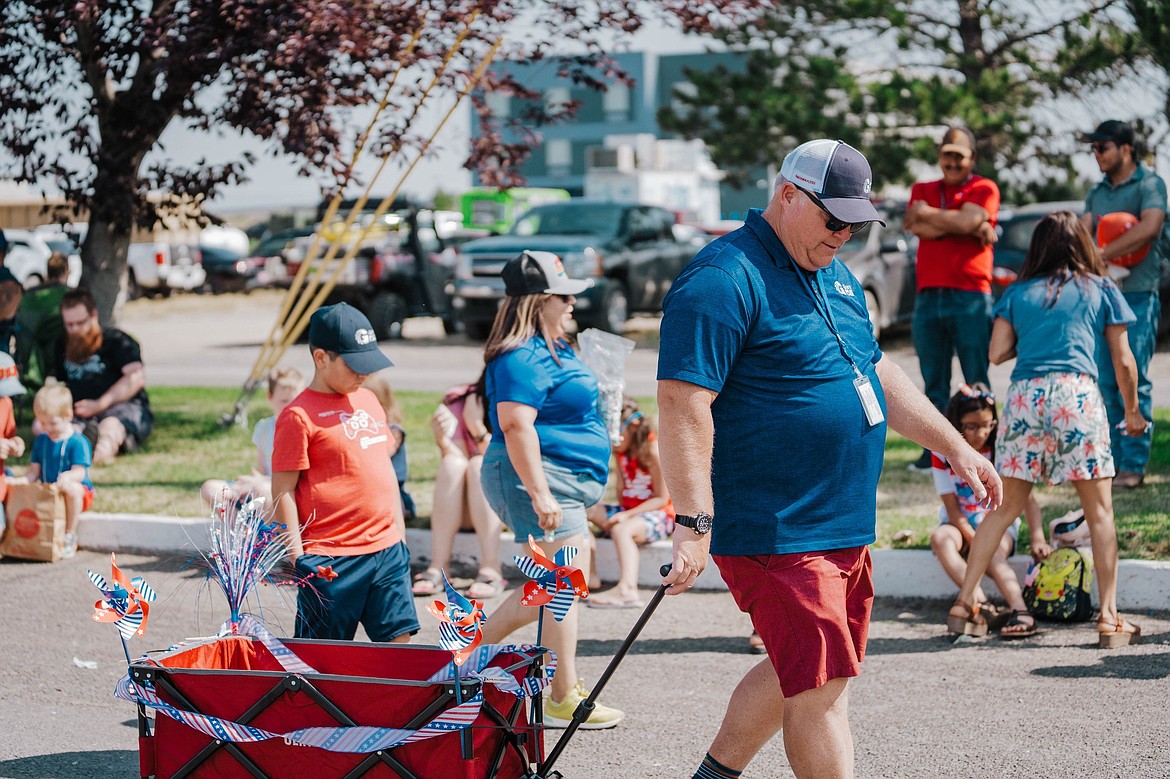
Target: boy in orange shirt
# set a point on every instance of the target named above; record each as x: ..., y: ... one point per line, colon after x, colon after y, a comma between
x: 336, y: 491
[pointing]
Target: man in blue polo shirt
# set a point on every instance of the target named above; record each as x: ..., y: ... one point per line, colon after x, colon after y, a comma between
x: 1129, y: 187
x: 773, y: 400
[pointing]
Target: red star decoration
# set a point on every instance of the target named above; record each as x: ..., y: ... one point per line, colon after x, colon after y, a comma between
x: 326, y: 572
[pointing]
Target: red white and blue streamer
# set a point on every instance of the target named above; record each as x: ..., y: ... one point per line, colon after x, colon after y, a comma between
x: 125, y: 601
x: 555, y: 583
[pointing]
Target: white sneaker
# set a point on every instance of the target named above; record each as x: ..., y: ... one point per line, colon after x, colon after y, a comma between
x: 70, y: 546
x: 560, y: 714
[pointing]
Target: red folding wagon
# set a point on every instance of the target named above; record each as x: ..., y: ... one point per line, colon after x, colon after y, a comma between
x: 233, y: 707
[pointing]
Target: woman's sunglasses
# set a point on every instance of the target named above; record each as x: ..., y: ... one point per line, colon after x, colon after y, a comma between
x: 833, y: 224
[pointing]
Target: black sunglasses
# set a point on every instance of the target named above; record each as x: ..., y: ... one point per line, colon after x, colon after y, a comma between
x: 833, y: 224
x: 1101, y: 148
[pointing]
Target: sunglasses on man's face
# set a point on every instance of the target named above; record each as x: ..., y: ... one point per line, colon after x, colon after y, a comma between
x: 832, y: 224
x: 1101, y: 148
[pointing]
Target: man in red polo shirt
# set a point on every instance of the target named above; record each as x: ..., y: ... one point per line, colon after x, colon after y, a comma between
x: 954, y: 219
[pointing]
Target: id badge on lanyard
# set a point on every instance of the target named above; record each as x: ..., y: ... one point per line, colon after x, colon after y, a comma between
x: 861, y: 385
x: 869, y: 401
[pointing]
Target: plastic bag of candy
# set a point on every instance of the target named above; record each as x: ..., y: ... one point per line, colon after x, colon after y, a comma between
x: 605, y: 354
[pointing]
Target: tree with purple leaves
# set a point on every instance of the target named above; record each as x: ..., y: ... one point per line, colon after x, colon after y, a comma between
x: 87, y: 89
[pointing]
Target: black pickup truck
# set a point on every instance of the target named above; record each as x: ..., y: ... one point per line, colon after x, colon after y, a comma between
x: 630, y: 252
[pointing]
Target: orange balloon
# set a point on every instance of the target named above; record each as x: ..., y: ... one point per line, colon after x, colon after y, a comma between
x: 1110, y: 228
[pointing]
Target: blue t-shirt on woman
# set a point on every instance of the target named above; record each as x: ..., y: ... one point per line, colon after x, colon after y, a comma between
x: 568, y: 423
x: 1063, y: 338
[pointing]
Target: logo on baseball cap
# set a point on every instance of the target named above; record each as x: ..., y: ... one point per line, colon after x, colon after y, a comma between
x: 343, y: 329
x: 838, y: 174
x: 530, y: 273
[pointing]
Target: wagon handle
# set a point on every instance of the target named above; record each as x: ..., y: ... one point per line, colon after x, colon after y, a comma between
x: 586, y: 707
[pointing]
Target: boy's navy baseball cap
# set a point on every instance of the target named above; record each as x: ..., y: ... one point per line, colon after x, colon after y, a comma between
x: 343, y: 329
x: 838, y: 174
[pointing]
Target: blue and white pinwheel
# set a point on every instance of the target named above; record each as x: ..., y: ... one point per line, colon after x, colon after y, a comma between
x: 459, y: 623
x: 126, y: 602
x: 554, y: 583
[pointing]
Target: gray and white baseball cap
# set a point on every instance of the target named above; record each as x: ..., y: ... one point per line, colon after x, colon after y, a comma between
x: 837, y: 174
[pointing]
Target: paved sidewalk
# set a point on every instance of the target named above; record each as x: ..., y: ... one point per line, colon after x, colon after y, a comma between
x: 924, y: 707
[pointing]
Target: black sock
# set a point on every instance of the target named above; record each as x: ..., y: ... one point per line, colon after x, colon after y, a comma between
x: 711, y: 768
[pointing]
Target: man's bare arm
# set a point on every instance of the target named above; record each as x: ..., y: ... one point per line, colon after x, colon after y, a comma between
x: 929, y: 222
x: 1141, y: 234
x: 686, y: 440
x: 911, y: 414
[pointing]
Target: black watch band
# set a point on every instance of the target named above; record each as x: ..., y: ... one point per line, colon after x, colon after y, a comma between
x: 700, y: 523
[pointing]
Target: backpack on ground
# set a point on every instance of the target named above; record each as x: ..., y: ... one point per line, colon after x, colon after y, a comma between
x: 1057, y: 588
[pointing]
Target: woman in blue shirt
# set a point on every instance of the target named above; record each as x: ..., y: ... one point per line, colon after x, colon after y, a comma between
x: 1054, y: 427
x: 550, y: 458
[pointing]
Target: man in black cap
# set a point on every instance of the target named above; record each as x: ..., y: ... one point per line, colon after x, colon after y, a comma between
x: 773, y: 399
x: 1129, y: 187
x: 336, y: 492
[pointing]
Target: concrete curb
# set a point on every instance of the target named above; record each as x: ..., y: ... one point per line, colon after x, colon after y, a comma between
x: 1142, y: 584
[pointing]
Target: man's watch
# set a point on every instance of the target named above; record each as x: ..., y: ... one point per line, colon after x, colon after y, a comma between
x: 700, y: 523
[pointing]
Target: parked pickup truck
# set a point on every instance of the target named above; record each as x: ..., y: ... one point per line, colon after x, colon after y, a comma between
x: 629, y: 251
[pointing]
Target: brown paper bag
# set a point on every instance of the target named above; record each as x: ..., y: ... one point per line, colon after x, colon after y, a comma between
x: 36, y: 523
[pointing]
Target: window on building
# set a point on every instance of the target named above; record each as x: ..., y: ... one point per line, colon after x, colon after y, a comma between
x: 499, y: 104
x: 558, y: 156
x: 555, y: 99
x: 617, y: 103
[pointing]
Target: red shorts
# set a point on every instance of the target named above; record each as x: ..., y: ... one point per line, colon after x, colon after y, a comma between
x: 87, y: 499
x: 810, y: 608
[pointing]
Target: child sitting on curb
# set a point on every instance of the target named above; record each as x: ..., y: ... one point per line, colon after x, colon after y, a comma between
x: 645, y: 513
x: 61, y: 456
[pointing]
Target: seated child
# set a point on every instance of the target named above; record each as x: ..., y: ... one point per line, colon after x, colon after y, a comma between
x: 284, y: 384
x: 645, y: 515
x: 11, y: 445
x: 61, y: 456
x: 972, y: 411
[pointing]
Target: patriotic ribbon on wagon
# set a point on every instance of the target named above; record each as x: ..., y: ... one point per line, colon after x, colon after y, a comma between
x: 554, y: 583
x: 528, y: 687
x: 351, y: 739
x: 460, y: 620
x: 360, y: 739
x: 125, y: 602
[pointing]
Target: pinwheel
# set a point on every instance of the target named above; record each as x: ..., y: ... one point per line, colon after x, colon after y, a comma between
x: 554, y: 584
x: 459, y: 623
x: 125, y: 601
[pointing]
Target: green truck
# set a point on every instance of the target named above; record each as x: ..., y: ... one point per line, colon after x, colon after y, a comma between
x: 497, y: 210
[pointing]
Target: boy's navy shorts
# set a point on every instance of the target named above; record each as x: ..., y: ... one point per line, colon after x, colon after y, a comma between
x: 373, y: 589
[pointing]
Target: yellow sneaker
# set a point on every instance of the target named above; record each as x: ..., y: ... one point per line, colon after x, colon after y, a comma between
x: 560, y: 714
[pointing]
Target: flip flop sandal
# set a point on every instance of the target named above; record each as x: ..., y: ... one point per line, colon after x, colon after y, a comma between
x: 594, y: 603
x: 426, y: 583
x: 1117, y: 634
x: 488, y: 587
x: 965, y: 620
x: 1027, y: 630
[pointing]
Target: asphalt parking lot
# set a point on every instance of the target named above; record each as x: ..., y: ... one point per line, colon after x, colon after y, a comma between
x: 923, y: 708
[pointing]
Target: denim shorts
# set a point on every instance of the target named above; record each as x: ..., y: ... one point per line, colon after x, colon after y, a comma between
x: 506, y: 495
x: 373, y: 589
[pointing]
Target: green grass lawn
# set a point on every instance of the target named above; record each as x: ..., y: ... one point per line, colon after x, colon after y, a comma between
x: 189, y: 446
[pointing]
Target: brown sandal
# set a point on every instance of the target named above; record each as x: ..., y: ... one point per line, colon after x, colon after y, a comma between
x: 965, y: 620
x: 1111, y: 635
